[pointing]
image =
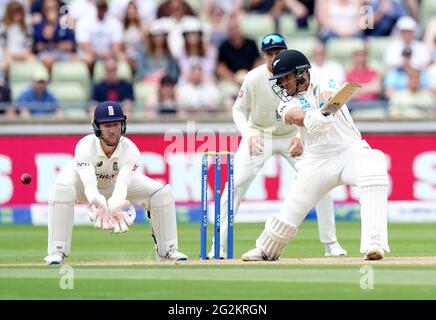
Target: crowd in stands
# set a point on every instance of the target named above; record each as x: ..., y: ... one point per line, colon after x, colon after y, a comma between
x: 186, y: 58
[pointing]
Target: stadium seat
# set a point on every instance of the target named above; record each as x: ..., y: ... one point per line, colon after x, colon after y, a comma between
x: 255, y: 26
x: 289, y: 29
x: 341, y: 49
x: 68, y: 93
x: 17, y: 87
x: 305, y: 45
x: 227, y: 90
x: 22, y: 71
x: 287, y: 26
x: 75, y: 71
x: 145, y: 93
x: 124, y: 71
x: 72, y: 71
x: 377, y: 47
x: 196, y: 5
x: 428, y: 10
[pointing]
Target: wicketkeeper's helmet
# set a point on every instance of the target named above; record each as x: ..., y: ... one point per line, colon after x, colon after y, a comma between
x: 108, y: 111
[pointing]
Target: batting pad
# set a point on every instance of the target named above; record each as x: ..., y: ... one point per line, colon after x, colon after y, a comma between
x: 163, y: 220
x: 374, y: 217
x: 61, y: 219
x: 275, y: 236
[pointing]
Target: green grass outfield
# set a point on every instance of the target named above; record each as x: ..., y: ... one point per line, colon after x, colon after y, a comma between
x: 121, y: 267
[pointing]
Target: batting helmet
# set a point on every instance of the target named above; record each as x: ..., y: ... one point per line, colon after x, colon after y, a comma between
x: 289, y: 61
x: 108, y: 111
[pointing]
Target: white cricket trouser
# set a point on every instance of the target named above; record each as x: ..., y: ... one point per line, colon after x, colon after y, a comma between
x: 139, y: 190
x: 247, y: 167
x: 61, y: 220
x: 358, y: 165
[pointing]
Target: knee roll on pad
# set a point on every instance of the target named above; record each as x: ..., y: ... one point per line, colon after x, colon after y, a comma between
x: 275, y: 237
x: 163, y: 220
x: 61, y: 218
x: 373, y: 169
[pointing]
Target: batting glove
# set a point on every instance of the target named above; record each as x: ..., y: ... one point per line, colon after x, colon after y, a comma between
x: 316, y: 123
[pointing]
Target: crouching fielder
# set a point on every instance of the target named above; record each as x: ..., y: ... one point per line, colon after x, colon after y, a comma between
x: 103, y: 174
x: 335, y: 155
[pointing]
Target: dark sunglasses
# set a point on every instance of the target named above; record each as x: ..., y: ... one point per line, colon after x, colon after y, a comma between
x: 273, y: 39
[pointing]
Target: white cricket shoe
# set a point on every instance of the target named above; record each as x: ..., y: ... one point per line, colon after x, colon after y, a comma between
x: 254, y: 255
x: 211, y: 254
x: 172, y: 255
x: 334, y: 250
x: 55, y: 258
x: 374, y: 252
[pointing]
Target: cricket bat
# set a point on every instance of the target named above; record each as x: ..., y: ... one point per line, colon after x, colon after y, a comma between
x: 347, y: 90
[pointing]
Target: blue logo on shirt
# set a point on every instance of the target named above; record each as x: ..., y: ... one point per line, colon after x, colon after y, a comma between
x: 332, y: 84
x: 304, y: 103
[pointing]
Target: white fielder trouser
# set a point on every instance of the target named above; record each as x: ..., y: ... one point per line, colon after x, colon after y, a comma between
x: 358, y: 165
x: 61, y: 218
x: 247, y: 167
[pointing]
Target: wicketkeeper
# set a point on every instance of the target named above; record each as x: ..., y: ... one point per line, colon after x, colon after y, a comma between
x: 104, y: 174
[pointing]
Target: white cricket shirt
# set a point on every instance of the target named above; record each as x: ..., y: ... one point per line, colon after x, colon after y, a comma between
x: 343, y: 131
x: 97, y: 171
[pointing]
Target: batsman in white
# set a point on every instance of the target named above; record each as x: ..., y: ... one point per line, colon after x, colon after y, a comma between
x: 103, y: 174
x: 264, y: 135
x: 335, y: 154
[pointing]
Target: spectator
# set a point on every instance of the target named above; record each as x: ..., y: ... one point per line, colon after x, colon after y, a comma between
x: 37, y: 7
x: 81, y: 9
x: 196, y: 49
x: 386, y: 15
x: 177, y: 8
x: 408, y: 29
x: 6, y: 108
x: 51, y: 41
x: 237, y: 55
x: 15, y: 33
x: 146, y: 9
x: 216, y: 23
x: 321, y: 62
x: 414, y: 102
x: 368, y: 77
x: 274, y: 8
x: 166, y: 97
x: 37, y: 100
x: 133, y: 32
x: 154, y: 59
x: 112, y: 88
x: 430, y: 38
x: 197, y: 94
x: 99, y: 36
x: 302, y: 10
x: 338, y: 18
x: 396, y: 80
x: 432, y: 76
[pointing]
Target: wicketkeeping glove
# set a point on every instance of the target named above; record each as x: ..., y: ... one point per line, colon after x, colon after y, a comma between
x: 122, y: 215
x: 99, y: 213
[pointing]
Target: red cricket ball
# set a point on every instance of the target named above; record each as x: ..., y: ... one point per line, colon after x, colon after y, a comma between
x: 26, y: 178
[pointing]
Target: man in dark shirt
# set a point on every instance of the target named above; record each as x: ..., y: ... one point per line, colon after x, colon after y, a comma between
x: 237, y: 55
x: 113, y: 88
x: 6, y: 108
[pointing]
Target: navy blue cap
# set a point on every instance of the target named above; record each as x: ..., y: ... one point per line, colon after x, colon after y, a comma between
x: 273, y: 41
x: 108, y: 111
